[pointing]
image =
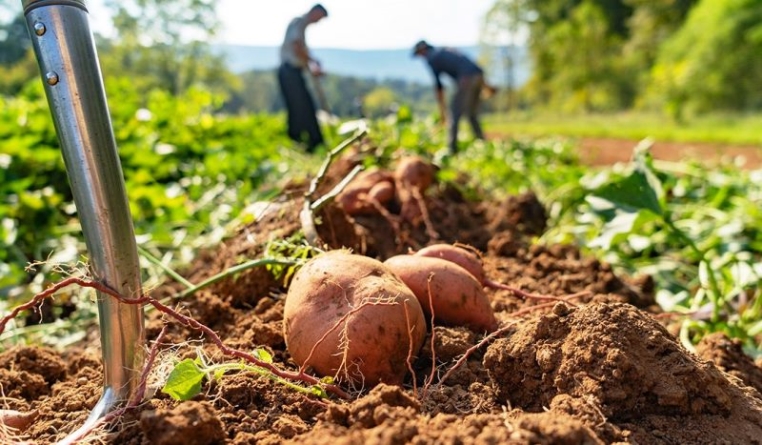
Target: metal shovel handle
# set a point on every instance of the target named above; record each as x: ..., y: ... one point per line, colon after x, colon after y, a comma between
x: 66, y: 54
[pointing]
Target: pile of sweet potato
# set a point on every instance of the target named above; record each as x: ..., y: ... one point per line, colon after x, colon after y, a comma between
x: 363, y: 321
x: 397, y: 194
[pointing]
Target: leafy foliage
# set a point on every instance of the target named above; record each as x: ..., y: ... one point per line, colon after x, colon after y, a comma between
x: 692, y: 229
x: 189, y: 171
x: 703, y: 71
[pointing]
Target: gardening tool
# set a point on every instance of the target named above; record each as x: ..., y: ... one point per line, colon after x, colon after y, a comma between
x: 316, y: 72
x: 66, y: 54
x: 318, y: 87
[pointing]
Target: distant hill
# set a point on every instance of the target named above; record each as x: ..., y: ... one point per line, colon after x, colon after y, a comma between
x: 378, y: 64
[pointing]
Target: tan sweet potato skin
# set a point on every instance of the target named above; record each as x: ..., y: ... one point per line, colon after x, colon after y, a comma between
x: 414, y: 172
x: 382, y: 192
x: 331, y: 286
x: 462, y: 256
x: 457, y: 298
x: 412, y: 176
x: 355, y: 198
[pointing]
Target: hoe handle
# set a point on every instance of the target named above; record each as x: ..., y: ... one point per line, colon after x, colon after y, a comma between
x: 66, y: 54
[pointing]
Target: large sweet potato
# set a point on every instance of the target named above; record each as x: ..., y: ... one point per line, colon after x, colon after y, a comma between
x: 457, y: 298
x: 350, y: 317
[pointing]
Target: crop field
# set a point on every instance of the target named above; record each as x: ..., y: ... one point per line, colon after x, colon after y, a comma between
x: 382, y: 290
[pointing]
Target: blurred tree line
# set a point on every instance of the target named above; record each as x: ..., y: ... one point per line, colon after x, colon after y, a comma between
x: 678, y: 56
x: 164, y: 45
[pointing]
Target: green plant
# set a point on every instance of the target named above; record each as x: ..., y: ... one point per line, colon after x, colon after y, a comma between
x: 694, y: 230
x: 186, y: 378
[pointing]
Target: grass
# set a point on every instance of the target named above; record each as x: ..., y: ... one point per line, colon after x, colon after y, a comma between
x: 732, y: 129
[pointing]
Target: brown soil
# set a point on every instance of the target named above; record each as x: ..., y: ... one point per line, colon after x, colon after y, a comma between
x: 608, y: 151
x: 601, y: 369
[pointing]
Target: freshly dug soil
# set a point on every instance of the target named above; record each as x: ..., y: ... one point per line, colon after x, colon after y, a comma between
x: 601, y: 368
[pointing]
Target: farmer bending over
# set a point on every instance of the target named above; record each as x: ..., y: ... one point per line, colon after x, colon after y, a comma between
x: 469, y: 78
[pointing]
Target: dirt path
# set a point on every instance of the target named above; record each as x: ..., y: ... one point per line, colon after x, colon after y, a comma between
x: 607, y: 151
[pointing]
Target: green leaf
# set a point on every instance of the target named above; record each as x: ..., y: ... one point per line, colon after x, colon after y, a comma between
x: 632, y: 193
x: 620, y: 227
x: 318, y: 391
x: 644, y: 163
x: 263, y: 355
x: 704, y: 275
x: 755, y: 329
x: 184, y: 381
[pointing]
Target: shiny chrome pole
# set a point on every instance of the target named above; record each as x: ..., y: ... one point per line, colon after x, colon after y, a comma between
x: 66, y: 54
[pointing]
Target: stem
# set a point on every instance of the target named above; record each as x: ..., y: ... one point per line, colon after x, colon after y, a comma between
x: 327, y: 163
x: 232, y: 271
x: 319, y: 203
x: 176, y: 276
x: 183, y: 320
x: 306, y: 215
x: 224, y: 367
x: 714, y: 288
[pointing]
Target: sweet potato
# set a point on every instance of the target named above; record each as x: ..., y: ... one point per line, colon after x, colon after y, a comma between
x: 412, y: 177
x: 462, y: 255
x: 414, y: 172
x: 456, y: 297
x: 355, y: 199
x: 382, y: 192
x: 350, y: 317
x: 469, y: 258
x: 17, y: 420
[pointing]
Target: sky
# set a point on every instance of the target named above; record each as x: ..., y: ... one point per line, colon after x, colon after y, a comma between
x: 351, y: 24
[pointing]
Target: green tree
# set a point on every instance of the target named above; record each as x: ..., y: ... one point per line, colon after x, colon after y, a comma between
x: 17, y: 63
x: 575, y: 48
x: 14, y: 37
x: 651, y: 24
x: 713, y: 61
x: 164, y: 44
x: 379, y: 102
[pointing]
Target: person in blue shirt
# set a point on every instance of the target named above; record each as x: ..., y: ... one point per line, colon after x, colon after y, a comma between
x: 469, y: 79
x: 295, y: 58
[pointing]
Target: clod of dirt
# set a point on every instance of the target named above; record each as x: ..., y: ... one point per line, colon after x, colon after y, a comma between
x: 522, y: 213
x: 390, y: 415
x: 190, y: 423
x: 626, y: 364
x: 449, y: 343
x: 728, y: 355
x: 28, y: 372
x: 373, y: 409
x: 42, y: 361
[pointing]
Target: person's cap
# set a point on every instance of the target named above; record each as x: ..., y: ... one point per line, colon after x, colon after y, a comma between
x: 420, y: 46
x: 321, y: 8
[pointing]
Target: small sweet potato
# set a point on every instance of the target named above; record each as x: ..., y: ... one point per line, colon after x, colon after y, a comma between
x: 456, y: 297
x: 355, y: 199
x: 382, y: 192
x: 412, y: 176
x: 464, y: 256
x: 414, y: 172
x: 350, y: 317
x: 17, y: 420
x: 470, y: 259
